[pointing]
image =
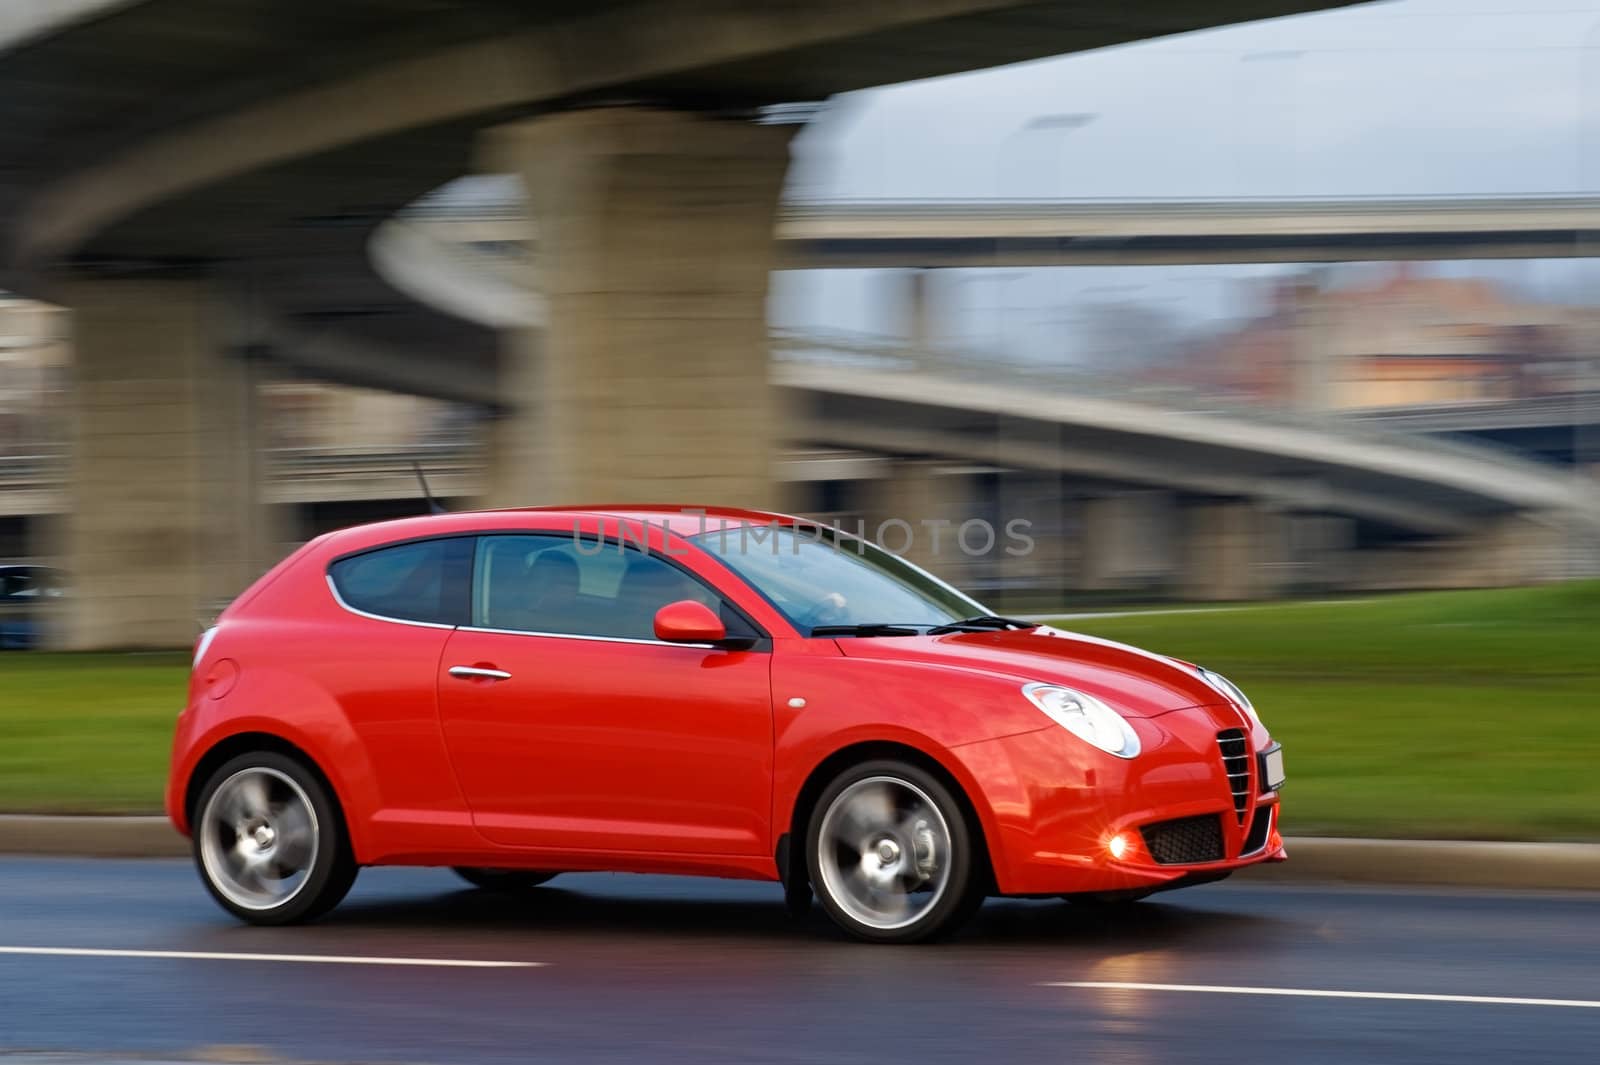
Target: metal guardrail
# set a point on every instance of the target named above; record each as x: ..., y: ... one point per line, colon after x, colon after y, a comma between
x: 25, y: 463
x: 286, y: 463
x: 1579, y: 408
x: 864, y: 351
x: 507, y: 204
x: 431, y: 457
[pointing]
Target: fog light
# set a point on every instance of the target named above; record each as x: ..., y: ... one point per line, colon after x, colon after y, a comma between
x: 1118, y: 846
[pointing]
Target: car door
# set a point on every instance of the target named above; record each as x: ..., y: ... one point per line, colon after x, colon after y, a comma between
x: 570, y: 726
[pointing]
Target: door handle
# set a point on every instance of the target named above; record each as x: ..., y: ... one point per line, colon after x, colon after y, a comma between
x: 476, y: 673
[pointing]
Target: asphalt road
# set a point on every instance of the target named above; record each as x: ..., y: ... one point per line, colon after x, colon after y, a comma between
x: 656, y: 969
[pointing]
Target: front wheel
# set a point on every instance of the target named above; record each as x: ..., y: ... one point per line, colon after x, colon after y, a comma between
x: 505, y: 880
x: 269, y: 841
x: 890, y: 854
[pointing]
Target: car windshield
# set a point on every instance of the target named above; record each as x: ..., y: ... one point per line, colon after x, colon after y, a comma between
x: 819, y: 579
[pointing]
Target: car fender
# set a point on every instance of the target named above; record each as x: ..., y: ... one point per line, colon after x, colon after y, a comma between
x: 290, y: 708
x: 935, y: 710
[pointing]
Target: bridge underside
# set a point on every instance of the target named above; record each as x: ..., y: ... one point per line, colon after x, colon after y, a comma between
x: 223, y: 166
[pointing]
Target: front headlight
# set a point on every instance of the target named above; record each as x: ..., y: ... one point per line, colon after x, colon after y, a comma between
x: 1085, y: 717
x: 1231, y: 690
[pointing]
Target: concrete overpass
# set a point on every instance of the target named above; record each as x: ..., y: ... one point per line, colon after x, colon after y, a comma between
x: 180, y: 170
x: 468, y: 258
x: 984, y: 233
x: 438, y: 250
x: 1561, y: 428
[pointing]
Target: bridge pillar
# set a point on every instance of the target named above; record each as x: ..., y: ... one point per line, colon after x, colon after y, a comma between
x: 163, y: 517
x: 1031, y: 564
x: 1511, y: 550
x: 649, y: 380
x: 916, y: 512
x: 921, y: 329
x: 1125, y: 541
x: 1231, y: 551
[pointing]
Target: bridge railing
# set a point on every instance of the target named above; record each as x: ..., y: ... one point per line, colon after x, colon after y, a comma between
x: 46, y: 464
x: 893, y: 354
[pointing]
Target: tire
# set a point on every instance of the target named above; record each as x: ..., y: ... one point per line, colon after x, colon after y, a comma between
x: 269, y: 841
x: 509, y: 881
x: 891, y: 855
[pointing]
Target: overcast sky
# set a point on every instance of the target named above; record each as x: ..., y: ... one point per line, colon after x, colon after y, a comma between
x: 1413, y: 97
x: 1410, y: 97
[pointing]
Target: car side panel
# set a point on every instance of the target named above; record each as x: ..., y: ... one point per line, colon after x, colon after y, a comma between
x: 608, y: 745
x: 849, y: 701
x: 358, y: 695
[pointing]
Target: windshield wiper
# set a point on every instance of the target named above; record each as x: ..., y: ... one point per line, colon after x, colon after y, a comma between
x: 873, y: 628
x: 982, y: 623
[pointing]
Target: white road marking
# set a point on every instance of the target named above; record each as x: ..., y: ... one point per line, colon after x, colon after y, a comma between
x: 1397, y: 996
x: 313, y: 959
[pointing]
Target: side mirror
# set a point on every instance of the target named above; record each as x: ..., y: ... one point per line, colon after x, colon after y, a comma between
x: 689, y: 621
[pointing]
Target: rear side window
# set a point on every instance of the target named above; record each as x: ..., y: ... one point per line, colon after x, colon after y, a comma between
x: 423, y: 581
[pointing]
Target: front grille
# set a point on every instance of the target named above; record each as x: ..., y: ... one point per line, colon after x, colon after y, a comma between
x: 1236, y: 761
x: 1185, y: 841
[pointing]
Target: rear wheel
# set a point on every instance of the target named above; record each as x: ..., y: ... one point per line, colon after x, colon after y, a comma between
x: 269, y: 841
x: 890, y: 854
x: 506, y: 880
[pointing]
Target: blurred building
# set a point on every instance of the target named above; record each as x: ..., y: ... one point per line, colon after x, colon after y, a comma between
x: 1402, y: 339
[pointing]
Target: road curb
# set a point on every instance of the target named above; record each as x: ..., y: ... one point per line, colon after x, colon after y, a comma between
x: 1562, y: 866
x: 90, y: 837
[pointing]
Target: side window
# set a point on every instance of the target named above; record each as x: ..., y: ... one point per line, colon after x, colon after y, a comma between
x: 537, y: 583
x: 421, y: 581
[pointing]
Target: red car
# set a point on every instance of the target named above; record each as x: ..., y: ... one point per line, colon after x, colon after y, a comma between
x: 521, y: 693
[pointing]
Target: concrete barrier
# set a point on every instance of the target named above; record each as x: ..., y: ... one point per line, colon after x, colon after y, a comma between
x: 91, y: 837
x: 1567, y: 866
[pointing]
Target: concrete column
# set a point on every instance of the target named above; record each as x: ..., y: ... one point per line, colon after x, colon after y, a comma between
x: 1315, y: 369
x: 649, y: 381
x: 1126, y: 541
x: 920, y: 329
x: 1321, y: 547
x: 1231, y: 551
x: 164, y: 519
x: 917, y: 512
x: 1510, y: 550
x: 1035, y: 572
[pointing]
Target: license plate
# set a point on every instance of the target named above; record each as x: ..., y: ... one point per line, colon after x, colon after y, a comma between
x: 1272, y: 769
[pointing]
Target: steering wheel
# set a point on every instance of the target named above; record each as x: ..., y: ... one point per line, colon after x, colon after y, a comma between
x: 829, y: 610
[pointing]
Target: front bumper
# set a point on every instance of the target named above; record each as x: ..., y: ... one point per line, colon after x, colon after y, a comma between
x: 1054, y: 807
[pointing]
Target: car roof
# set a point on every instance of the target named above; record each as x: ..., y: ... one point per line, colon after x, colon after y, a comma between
x: 681, y: 519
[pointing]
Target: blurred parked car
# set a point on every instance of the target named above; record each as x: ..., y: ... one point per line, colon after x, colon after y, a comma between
x: 24, y: 593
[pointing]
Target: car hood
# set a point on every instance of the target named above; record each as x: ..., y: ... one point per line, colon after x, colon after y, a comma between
x: 1135, y: 682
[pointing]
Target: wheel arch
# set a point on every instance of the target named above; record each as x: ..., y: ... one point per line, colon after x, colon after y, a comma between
x: 231, y: 746
x: 791, y: 856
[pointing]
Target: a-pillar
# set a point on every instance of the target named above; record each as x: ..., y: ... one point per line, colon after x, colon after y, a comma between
x: 164, y: 520
x: 649, y: 380
x: 1231, y: 550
